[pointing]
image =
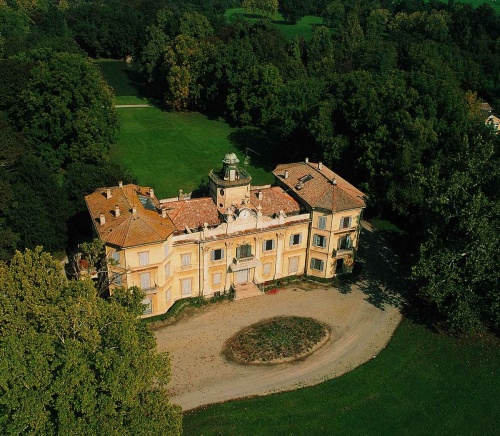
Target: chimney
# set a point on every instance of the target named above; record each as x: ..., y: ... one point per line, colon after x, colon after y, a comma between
x: 151, y: 193
x: 108, y: 193
x: 120, y: 184
x: 164, y: 213
x: 259, y: 195
x: 307, y: 160
x: 286, y: 174
x: 320, y: 166
x: 134, y: 210
x: 334, y: 181
x: 117, y: 211
x: 181, y: 195
x: 102, y: 219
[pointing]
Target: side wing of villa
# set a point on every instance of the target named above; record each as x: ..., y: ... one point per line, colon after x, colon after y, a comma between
x: 240, y: 236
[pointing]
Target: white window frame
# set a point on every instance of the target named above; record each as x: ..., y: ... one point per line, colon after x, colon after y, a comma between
x: 295, y: 259
x: 239, y: 254
x: 145, y: 280
x: 319, y: 241
x: 292, y: 239
x: 116, y: 257
x: 143, y: 258
x: 148, y: 306
x: 186, y: 260
x: 349, y: 222
x: 213, y: 257
x: 267, y: 268
x: 322, y: 222
x: 265, y: 245
x: 217, y: 279
x: 317, y: 264
x: 184, y: 289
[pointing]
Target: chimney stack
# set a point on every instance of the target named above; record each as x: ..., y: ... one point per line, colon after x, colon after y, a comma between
x: 108, y: 193
x: 117, y: 211
x: 120, y: 184
x: 306, y: 160
x: 151, y: 193
x: 164, y: 213
x: 320, y: 166
x: 259, y: 195
x: 334, y: 181
x: 134, y: 210
x: 286, y: 174
x: 102, y: 219
x: 181, y: 195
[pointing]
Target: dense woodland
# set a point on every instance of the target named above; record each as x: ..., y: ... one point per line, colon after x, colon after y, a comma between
x: 387, y: 93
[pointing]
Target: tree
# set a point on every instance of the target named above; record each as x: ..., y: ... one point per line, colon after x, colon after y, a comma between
x: 74, y: 363
x: 66, y: 110
x: 293, y: 10
x: 267, y: 8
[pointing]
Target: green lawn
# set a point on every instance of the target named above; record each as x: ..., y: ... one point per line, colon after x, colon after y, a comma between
x: 176, y: 150
x: 122, y: 77
x: 303, y: 28
x: 421, y: 384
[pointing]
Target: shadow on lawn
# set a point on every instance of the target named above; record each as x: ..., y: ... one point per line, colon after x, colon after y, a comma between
x: 255, y: 144
x: 379, y: 274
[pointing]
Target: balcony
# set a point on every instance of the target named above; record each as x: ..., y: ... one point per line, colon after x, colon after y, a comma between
x: 151, y: 290
x: 342, y: 252
x: 243, y: 260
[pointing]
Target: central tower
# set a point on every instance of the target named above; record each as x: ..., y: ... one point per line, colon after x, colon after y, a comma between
x: 231, y: 185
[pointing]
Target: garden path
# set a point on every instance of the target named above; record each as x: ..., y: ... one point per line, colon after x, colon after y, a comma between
x: 362, y: 318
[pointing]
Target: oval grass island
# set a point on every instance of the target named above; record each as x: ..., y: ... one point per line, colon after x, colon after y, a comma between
x: 281, y: 339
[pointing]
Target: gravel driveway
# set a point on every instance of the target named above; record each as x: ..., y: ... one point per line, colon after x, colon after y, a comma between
x: 362, y: 318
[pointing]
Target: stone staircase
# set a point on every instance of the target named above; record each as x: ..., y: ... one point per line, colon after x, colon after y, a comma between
x: 246, y: 290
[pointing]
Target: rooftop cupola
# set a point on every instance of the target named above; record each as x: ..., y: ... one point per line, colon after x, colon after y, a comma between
x: 230, y: 167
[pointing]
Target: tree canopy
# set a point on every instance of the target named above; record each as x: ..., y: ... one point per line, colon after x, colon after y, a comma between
x: 74, y: 363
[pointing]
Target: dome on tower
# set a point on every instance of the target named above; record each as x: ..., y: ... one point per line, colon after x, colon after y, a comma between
x: 230, y: 158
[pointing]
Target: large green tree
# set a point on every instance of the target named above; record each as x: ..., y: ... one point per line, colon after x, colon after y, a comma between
x: 74, y: 363
x: 66, y: 109
x: 267, y: 8
x: 293, y: 10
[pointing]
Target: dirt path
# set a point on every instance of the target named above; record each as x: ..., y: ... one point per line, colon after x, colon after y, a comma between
x: 361, y: 326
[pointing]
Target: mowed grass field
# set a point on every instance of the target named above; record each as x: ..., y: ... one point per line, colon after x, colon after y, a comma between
x: 421, y: 384
x: 303, y: 28
x: 176, y: 150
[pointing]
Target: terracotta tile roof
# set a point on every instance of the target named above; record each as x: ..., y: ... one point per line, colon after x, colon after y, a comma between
x: 273, y: 200
x: 192, y: 213
x: 315, y: 188
x: 128, y: 229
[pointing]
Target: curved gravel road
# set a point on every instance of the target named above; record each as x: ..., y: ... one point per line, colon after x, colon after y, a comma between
x: 362, y: 318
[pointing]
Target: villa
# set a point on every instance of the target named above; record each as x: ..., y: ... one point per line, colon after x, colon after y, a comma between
x: 241, y: 236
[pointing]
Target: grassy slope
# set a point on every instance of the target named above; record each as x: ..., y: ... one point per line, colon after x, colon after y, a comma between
x: 303, y: 28
x: 172, y: 151
x: 422, y: 383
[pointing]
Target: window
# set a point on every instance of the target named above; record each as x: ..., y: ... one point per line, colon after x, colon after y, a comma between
x: 186, y: 260
x: 268, y: 245
x: 296, y: 239
x: 319, y: 241
x: 145, y: 281
x: 243, y: 251
x: 322, y: 222
x: 293, y: 266
x: 317, y: 264
x: 345, y: 242
x: 168, y: 294
x: 306, y: 178
x: 217, y: 279
x: 167, y: 270
x: 116, y: 257
x: 167, y: 250
x: 117, y: 279
x: 148, y: 306
x: 186, y: 286
x: 217, y: 254
x: 345, y: 222
x: 144, y: 258
x: 267, y: 268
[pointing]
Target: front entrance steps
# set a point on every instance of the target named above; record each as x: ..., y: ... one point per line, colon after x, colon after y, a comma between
x: 246, y: 290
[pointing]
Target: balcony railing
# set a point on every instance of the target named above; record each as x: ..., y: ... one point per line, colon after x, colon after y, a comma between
x: 239, y: 261
x: 343, y: 252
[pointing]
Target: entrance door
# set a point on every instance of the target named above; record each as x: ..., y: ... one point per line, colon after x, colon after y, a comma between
x: 242, y: 276
x: 339, y: 267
